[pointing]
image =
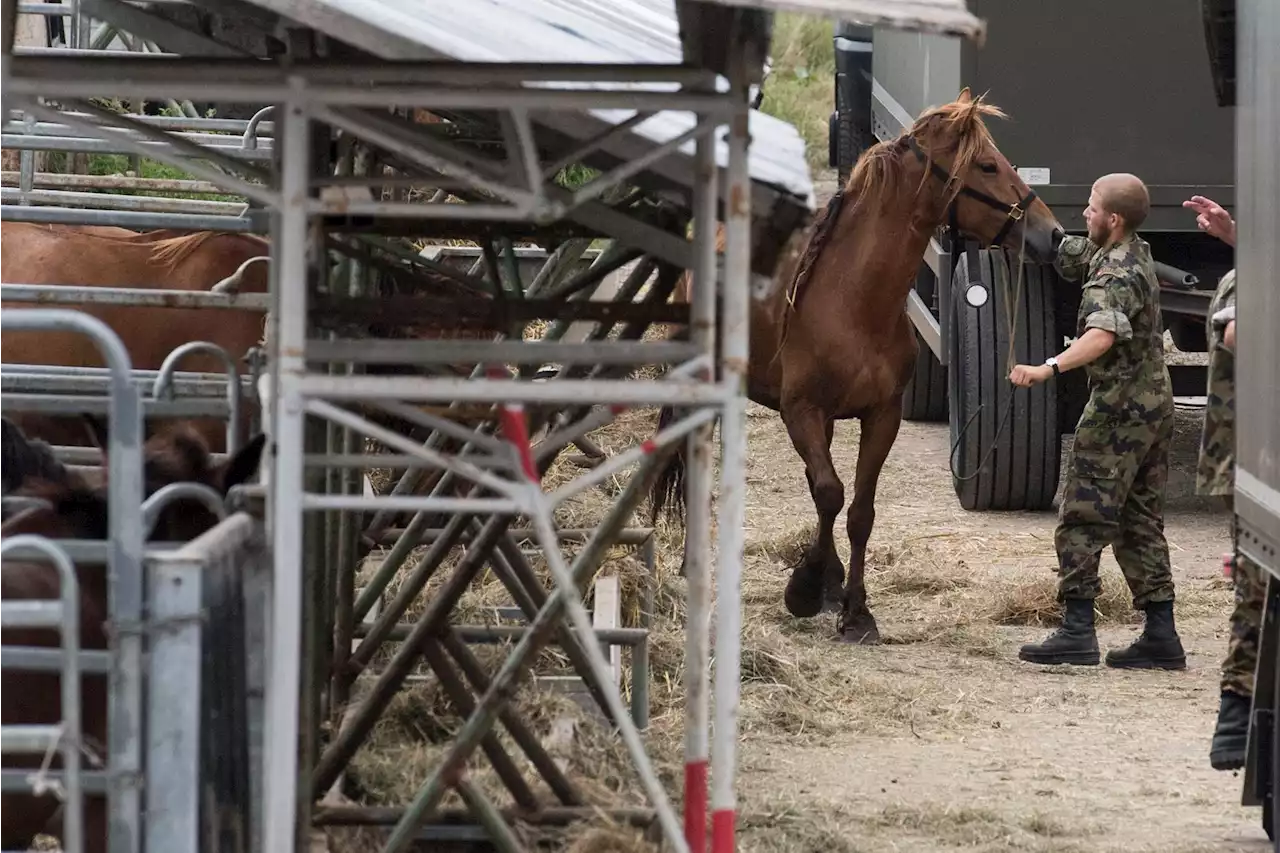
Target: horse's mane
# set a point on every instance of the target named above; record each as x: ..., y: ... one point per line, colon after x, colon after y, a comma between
x: 24, y: 458
x: 880, y: 170
x: 171, y: 251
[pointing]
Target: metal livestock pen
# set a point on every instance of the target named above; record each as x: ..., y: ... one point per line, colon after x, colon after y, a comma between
x: 651, y: 94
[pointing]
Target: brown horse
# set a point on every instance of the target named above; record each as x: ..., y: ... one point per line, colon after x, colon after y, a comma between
x: 77, y: 509
x: 96, y: 256
x: 836, y: 342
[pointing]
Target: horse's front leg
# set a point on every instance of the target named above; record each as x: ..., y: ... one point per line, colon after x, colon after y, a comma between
x: 879, y: 431
x: 817, y: 579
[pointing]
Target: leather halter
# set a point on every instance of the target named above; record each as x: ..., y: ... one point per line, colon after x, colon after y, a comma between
x: 1015, y: 211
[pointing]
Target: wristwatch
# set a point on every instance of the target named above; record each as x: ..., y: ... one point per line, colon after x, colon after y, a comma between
x: 1052, y: 361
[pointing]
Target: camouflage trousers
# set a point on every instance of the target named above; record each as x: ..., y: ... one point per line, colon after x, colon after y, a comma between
x: 1114, y: 495
x: 1238, y: 667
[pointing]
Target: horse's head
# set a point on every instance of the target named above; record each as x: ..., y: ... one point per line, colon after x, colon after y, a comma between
x: 179, y: 454
x: 984, y: 196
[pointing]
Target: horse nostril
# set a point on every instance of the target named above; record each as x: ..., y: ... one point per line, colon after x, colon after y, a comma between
x: 1056, y: 239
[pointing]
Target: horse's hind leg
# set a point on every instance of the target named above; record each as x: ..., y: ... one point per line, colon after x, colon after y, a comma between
x: 879, y: 431
x: 820, y: 574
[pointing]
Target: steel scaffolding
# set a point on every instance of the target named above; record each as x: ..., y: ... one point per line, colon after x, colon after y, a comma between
x: 363, y: 343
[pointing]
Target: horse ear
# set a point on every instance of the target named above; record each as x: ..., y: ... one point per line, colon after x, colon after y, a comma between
x: 965, y: 96
x: 99, y: 434
x: 239, y: 468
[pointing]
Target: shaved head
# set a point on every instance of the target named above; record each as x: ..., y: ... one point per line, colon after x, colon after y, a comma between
x: 1126, y: 196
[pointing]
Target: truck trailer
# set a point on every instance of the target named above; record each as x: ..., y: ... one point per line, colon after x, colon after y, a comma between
x: 1090, y: 87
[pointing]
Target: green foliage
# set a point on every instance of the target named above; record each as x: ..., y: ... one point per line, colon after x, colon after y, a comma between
x: 118, y: 164
x: 575, y: 176
x: 801, y: 87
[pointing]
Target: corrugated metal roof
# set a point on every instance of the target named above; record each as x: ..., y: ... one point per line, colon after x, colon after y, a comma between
x: 600, y: 31
x: 562, y: 31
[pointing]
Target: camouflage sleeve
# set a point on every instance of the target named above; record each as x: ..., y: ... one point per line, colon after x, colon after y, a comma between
x: 1223, y: 303
x: 1106, y: 303
x: 1073, y: 258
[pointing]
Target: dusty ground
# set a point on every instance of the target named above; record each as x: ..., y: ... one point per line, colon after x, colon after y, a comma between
x: 994, y: 754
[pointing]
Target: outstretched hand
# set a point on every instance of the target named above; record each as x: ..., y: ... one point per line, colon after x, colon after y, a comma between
x: 1212, y: 218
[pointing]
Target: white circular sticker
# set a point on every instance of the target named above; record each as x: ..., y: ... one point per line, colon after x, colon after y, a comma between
x: 976, y: 295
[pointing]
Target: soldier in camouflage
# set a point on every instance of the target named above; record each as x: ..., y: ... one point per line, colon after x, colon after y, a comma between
x: 1119, y: 462
x: 1215, y: 475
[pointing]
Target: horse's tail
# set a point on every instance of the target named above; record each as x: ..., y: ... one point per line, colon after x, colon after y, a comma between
x: 668, y: 484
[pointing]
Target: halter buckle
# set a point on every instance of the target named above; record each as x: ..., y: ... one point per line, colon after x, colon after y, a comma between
x: 1016, y: 212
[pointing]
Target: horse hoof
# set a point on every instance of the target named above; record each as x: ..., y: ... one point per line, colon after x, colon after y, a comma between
x: 861, y: 632
x: 804, y: 594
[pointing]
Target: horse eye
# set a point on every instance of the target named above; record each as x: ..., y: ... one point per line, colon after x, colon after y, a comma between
x: 989, y: 168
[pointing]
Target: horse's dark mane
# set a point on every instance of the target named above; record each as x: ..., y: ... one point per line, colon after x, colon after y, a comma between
x: 81, y: 507
x: 23, y: 458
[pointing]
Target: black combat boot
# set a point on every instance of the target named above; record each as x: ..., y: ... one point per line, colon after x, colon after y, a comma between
x: 1232, y: 734
x: 1158, y: 647
x: 1075, y: 642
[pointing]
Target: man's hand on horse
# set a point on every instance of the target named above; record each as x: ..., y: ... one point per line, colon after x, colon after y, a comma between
x: 1026, y: 375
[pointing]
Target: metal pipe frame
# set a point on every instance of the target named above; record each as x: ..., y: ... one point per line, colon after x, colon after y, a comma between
x: 69, y: 669
x: 589, y: 373
x: 124, y: 565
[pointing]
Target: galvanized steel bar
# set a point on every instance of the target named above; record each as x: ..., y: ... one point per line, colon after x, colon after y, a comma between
x: 175, y: 659
x: 124, y: 563
x: 86, y: 404
x: 464, y: 701
x: 361, y: 722
x: 499, y: 691
x: 36, y: 380
x: 675, y: 431
x: 114, y: 201
x: 452, y: 642
x: 63, y: 130
x: 136, y: 296
x: 561, y: 392
x: 507, y: 352
x: 174, y: 80
x: 207, y: 125
x: 289, y: 332
x: 697, y: 563
x: 175, y: 151
x: 121, y: 144
x: 163, y: 387
x: 416, y: 581
x: 733, y: 466
x: 71, y: 740
x: 250, y: 222
x: 459, y: 466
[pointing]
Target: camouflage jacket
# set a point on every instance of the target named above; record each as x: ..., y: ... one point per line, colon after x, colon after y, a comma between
x: 1215, y: 471
x: 1120, y: 294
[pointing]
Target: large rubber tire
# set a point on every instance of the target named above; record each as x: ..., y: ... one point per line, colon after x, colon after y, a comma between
x: 925, y: 398
x: 1022, y: 469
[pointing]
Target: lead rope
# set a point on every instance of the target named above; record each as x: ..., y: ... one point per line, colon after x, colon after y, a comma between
x: 1011, y: 326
